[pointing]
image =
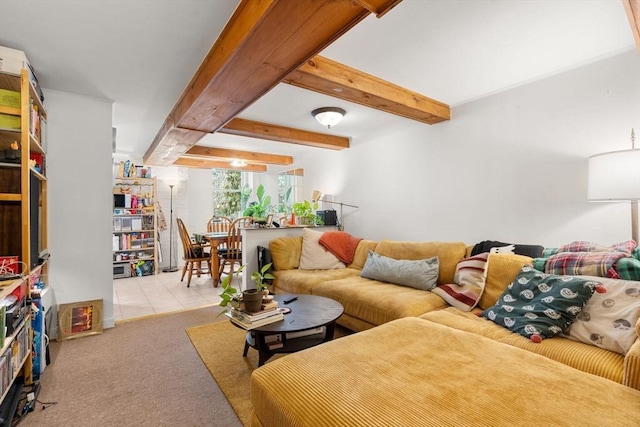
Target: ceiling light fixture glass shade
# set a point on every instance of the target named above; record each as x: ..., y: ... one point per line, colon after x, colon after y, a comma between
x: 238, y: 163
x: 328, y: 116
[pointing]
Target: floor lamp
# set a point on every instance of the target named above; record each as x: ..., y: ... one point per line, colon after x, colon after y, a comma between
x: 317, y: 196
x: 615, y: 177
x: 171, y: 268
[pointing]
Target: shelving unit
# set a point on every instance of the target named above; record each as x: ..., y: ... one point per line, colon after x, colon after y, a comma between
x: 23, y: 209
x: 135, y: 239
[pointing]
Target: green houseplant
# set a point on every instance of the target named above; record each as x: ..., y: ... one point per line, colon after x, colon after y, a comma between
x: 259, y: 209
x: 305, y: 211
x: 230, y: 297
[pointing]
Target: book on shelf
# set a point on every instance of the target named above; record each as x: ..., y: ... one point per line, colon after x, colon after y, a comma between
x: 255, y: 324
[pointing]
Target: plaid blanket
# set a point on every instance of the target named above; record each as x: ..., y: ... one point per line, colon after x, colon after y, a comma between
x: 619, y: 261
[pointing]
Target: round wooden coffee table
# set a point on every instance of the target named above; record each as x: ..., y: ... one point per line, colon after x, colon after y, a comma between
x: 308, y: 312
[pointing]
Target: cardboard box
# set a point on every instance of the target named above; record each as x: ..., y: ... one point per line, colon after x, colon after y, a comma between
x: 8, y: 121
x: 9, y: 98
x: 13, y: 60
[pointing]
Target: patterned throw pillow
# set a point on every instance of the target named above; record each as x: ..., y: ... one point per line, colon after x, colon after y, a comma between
x: 469, y: 283
x: 420, y: 274
x: 608, y: 319
x: 538, y: 305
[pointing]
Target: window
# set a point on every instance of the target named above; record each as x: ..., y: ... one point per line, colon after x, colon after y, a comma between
x: 231, y: 192
x: 290, y: 189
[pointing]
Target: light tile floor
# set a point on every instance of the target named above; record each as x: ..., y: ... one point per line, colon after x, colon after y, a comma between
x: 137, y: 297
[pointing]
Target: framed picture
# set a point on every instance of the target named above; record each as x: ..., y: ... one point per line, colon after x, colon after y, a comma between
x: 79, y: 319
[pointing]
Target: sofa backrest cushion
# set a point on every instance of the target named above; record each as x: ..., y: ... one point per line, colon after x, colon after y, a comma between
x: 285, y: 252
x: 448, y: 253
x: 362, y: 251
x: 501, y: 270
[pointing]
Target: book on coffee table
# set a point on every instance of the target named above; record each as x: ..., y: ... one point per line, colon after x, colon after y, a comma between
x: 251, y: 317
x: 257, y: 323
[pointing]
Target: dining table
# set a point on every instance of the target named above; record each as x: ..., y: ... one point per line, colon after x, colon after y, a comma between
x: 215, y: 239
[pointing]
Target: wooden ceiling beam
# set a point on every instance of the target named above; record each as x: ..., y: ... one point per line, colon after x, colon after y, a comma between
x: 190, y: 162
x: 260, y: 45
x: 632, y: 8
x: 213, y: 153
x: 253, y: 129
x: 379, y: 7
x: 175, y: 140
x: 334, y: 79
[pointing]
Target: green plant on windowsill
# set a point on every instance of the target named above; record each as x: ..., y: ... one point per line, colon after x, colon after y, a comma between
x: 230, y: 297
x: 305, y: 212
x: 260, y: 209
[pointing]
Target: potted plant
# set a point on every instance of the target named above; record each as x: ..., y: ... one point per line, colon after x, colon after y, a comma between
x: 232, y: 298
x: 259, y: 277
x: 259, y: 209
x: 305, y: 213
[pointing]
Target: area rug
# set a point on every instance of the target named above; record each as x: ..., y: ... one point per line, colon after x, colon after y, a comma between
x: 220, y: 346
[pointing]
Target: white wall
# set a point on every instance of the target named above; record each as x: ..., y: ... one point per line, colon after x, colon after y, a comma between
x: 192, y: 202
x: 79, y: 174
x: 510, y: 167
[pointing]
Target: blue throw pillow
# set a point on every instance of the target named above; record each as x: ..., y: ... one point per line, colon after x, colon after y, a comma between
x: 419, y: 274
x: 538, y: 305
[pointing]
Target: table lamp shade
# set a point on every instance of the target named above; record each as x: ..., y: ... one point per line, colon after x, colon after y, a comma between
x: 614, y: 176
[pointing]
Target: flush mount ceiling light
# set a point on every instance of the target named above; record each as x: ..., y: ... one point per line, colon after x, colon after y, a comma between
x: 328, y: 116
x: 238, y: 163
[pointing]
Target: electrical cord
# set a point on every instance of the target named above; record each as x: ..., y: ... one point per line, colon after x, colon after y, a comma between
x: 45, y: 405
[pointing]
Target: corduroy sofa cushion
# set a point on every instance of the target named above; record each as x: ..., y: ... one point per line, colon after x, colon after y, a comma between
x: 448, y: 253
x: 304, y: 281
x: 285, y: 252
x: 581, y: 356
x: 501, y: 270
x: 362, y: 250
x: 413, y: 372
x: 378, y: 302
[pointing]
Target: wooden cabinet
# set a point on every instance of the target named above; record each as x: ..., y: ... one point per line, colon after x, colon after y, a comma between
x: 23, y: 217
x: 135, y: 241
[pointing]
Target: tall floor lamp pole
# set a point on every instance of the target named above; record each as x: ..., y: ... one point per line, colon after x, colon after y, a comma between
x: 171, y: 268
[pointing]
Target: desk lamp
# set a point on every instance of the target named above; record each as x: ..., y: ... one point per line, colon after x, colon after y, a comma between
x: 317, y: 196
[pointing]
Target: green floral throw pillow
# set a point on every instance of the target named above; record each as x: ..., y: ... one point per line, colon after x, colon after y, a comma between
x: 538, y: 305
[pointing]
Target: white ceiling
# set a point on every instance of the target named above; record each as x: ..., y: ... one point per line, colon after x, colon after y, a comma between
x: 142, y: 53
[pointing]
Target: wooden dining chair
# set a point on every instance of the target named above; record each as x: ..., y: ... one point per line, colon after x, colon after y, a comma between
x: 218, y: 224
x: 233, y: 251
x: 194, y: 254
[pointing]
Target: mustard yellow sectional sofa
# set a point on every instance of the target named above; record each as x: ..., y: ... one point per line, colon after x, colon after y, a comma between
x: 369, y: 303
x: 416, y: 361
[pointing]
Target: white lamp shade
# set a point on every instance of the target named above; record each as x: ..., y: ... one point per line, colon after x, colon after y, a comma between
x: 614, y: 176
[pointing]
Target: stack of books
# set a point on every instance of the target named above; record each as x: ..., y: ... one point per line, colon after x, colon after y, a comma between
x: 253, y: 320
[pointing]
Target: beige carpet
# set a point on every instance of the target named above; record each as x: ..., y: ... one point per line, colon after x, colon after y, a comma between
x: 139, y: 374
x: 220, y: 347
